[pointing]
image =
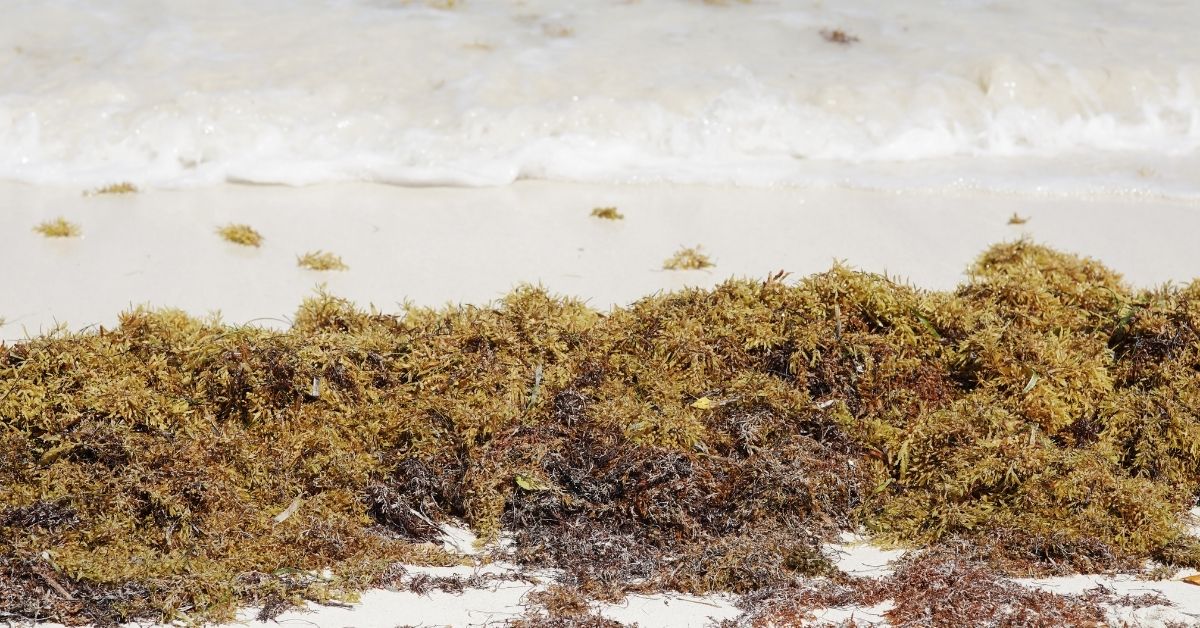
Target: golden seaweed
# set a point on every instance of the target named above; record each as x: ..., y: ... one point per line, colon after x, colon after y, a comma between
x: 243, y: 235
x: 607, y: 213
x: 124, y: 187
x: 321, y: 260
x: 59, y: 228
x: 688, y: 258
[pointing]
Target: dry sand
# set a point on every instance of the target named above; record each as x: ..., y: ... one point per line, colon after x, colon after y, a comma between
x: 436, y: 245
x: 433, y: 246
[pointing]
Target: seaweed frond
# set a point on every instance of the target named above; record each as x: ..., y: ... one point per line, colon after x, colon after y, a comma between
x: 688, y: 258
x: 244, y: 235
x: 838, y: 36
x: 321, y: 260
x: 607, y: 213
x: 123, y: 187
x: 58, y: 228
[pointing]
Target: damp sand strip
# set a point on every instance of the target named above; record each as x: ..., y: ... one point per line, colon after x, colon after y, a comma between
x: 159, y: 246
x: 1035, y: 421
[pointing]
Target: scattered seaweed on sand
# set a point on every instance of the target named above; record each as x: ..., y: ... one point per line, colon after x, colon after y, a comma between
x: 1039, y: 419
x: 948, y: 585
x: 321, y: 260
x: 1017, y: 219
x: 688, y: 258
x: 244, y: 235
x: 838, y: 36
x: 124, y: 187
x: 58, y: 228
x: 561, y: 607
x: 551, y: 621
x: 607, y: 213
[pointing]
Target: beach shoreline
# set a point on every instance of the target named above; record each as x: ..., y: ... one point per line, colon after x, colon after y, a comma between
x: 432, y: 246
x: 553, y: 314
x: 161, y: 248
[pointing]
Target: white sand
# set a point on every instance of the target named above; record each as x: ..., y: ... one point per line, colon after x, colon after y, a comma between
x: 502, y: 601
x: 671, y: 610
x: 435, y: 245
x: 1184, y: 597
x: 856, y: 556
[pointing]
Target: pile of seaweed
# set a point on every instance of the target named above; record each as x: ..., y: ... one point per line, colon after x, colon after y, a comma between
x: 1043, y: 415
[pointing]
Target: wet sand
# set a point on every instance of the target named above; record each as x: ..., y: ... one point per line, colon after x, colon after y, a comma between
x: 431, y: 246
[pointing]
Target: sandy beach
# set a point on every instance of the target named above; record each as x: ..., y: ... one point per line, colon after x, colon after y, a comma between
x: 335, y: 402
x: 433, y: 246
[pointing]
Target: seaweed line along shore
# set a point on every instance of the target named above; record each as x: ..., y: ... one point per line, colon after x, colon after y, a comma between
x: 1040, y: 419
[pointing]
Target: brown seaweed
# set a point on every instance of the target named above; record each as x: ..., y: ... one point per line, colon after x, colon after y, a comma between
x: 1043, y: 415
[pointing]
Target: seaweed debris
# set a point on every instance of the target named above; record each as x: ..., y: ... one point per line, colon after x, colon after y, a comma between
x: 321, y: 260
x: 58, y: 228
x: 561, y: 607
x: 124, y: 187
x: 838, y: 36
x: 949, y: 585
x: 688, y: 258
x: 1017, y: 219
x: 607, y: 213
x: 1042, y: 418
x: 244, y: 235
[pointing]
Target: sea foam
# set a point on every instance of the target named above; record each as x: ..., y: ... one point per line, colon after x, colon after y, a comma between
x: 1046, y: 97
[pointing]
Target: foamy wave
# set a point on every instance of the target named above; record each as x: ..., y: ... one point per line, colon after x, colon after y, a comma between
x: 310, y: 91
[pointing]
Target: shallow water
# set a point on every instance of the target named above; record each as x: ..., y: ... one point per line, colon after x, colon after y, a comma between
x: 1050, y: 97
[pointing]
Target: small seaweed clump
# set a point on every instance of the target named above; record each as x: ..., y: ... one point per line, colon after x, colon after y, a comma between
x: 244, y: 235
x: 1017, y: 219
x: 1039, y: 419
x: 321, y: 260
x: 124, y: 187
x: 689, y: 258
x: 58, y: 228
x: 838, y: 36
x: 607, y: 213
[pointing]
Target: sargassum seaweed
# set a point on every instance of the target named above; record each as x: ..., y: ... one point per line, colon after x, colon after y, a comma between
x: 1041, y: 418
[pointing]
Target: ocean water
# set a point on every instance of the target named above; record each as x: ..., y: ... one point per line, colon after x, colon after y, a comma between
x: 1048, y: 97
